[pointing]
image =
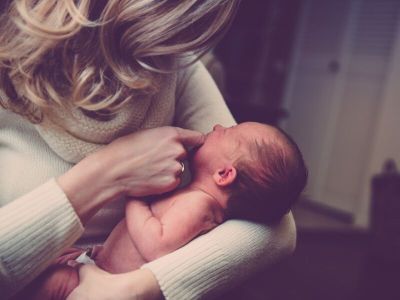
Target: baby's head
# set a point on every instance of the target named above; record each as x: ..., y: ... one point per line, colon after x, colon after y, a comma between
x: 259, y: 167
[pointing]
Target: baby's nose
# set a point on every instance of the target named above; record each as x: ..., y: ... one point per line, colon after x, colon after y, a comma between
x: 218, y: 127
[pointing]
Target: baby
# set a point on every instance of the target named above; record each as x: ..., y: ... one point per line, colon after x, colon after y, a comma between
x: 250, y: 171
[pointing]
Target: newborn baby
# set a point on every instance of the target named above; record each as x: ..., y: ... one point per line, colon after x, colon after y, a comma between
x: 250, y: 171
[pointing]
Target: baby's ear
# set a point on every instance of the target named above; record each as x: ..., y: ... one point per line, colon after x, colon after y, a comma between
x: 225, y: 177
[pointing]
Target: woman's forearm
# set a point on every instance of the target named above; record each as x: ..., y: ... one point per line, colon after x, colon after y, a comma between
x: 86, y: 186
x: 139, y: 164
x: 222, y: 258
x: 34, y: 229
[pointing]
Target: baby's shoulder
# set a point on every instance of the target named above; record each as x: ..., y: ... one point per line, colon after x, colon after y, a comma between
x: 210, y: 210
x: 194, y: 203
x: 200, y: 207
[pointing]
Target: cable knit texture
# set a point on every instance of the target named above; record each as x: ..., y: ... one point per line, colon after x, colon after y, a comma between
x: 221, y: 259
x: 37, y: 221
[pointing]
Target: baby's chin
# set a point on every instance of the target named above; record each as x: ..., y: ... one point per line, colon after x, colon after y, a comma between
x: 192, y: 154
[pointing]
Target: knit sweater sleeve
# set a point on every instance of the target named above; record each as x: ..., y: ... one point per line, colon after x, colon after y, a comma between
x: 34, y: 230
x: 199, y: 103
x: 226, y: 256
x: 234, y: 250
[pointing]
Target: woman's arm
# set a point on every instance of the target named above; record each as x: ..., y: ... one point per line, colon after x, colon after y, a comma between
x: 34, y: 230
x: 227, y: 255
x: 224, y: 257
x: 37, y: 227
x: 236, y: 249
x: 97, y: 284
x: 204, y: 268
x: 138, y: 164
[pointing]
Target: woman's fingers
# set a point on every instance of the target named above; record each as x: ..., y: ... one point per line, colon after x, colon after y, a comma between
x: 179, y: 168
x: 175, y: 150
x: 190, y: 138
x: 95, y: 283
x: 168, y: 183
x: 142, y: 163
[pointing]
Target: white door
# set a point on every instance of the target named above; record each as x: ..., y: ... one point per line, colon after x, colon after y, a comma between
x: 340, y: 64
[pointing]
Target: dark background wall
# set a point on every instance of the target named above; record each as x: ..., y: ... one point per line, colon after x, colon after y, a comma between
x: 335, y: 258
x: 256, y: 53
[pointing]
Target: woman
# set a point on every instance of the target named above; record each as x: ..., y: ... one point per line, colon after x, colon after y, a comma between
x: 78, y: 79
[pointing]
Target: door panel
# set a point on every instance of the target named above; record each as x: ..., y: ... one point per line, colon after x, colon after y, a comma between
x: 340, y: 66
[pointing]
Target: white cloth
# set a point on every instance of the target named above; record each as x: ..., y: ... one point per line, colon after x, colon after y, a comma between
x: 85, y: 259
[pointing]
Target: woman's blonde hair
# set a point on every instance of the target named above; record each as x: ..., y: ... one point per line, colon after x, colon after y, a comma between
x: 97, y: 54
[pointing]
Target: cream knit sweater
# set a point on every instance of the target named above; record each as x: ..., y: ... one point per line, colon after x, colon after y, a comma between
x: 37, y: 221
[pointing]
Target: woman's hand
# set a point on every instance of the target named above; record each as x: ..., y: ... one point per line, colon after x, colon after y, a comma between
x: 148, y: 162
x: 143, y: 163
x: 95, y: 283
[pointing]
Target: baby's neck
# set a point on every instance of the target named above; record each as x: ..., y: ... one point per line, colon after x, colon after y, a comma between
x: 204, y: 190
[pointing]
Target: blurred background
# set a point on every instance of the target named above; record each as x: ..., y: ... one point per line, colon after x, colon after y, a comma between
x: 327, y: 72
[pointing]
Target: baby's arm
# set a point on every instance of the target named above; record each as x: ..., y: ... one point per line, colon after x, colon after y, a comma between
x: 182, y: 222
